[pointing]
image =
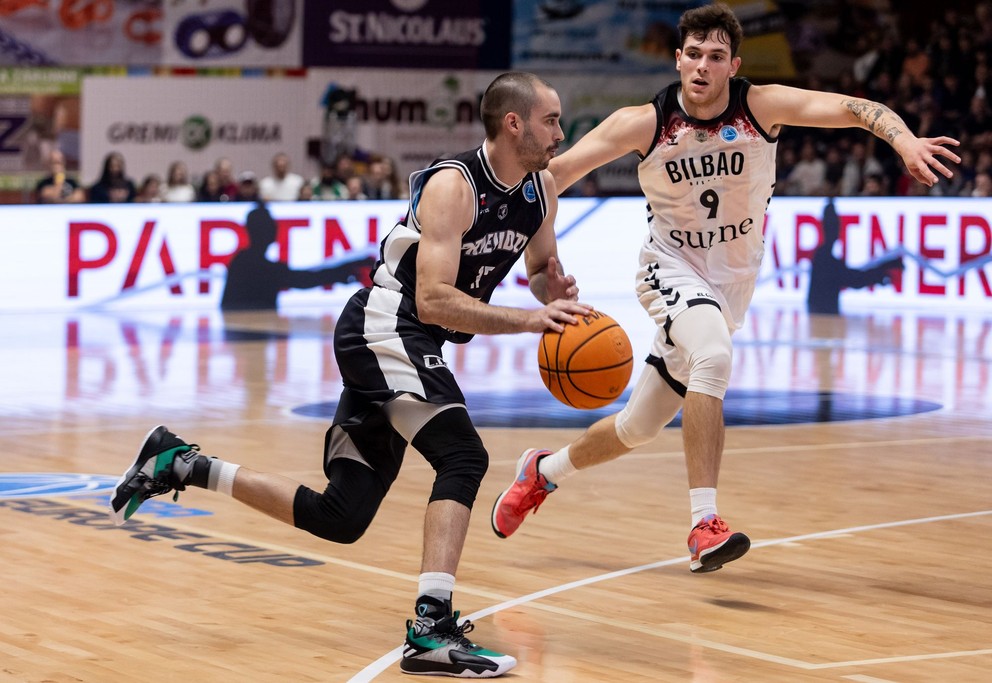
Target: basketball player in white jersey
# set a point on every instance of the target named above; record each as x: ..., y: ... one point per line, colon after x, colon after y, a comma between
x: 707, y: 150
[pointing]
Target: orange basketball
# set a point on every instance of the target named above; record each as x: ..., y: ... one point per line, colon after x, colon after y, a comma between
x: 589, y: 364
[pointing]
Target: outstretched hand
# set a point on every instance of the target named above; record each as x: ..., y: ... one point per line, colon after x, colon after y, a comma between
x: 921, y: 158
x: 559, y: 285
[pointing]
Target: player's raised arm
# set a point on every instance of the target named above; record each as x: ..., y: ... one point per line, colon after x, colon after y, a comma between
x: 626, y: 130
x: 778, y: 105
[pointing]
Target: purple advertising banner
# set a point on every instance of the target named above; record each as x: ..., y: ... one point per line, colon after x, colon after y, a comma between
x: 438, y: 34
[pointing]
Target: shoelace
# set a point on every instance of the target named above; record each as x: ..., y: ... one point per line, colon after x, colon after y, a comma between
x: 153, y: 486
x: 457, y: 632
x: 453, y: 631
x: 714, y: 524
x: 539, y: 493
x: 538, y: 497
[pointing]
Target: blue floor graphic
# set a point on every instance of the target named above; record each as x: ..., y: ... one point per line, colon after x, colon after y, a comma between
x: 538, y: 409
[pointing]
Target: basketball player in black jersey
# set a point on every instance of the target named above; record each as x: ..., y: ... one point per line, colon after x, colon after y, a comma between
x: 706, y: 146
x: 471, y: 217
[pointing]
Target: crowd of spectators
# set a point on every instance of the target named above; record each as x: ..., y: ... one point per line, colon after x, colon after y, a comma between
x: 936, y: 77
x: 342, y: 178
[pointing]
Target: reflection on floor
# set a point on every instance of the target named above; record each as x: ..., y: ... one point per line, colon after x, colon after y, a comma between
x: 788, y: 367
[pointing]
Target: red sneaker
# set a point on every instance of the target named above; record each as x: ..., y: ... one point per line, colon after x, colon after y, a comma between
x: 525, y: 494
x: 712, y: 544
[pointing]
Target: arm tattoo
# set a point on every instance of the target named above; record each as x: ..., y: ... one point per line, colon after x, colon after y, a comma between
x: 871, y: 114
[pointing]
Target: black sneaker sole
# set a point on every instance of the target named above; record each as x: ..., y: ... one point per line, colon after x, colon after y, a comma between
x: 733, y: 549
x: 482, y: 669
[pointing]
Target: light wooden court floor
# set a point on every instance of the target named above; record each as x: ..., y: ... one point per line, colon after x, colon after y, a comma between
x: 857, y: 460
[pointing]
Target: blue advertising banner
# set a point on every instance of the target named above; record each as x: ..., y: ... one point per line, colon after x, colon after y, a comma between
x: 441, y: 34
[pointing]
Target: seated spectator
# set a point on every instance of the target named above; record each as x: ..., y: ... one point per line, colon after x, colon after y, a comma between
x: 333, y: 180
x: 150, y: 189
x: 401, y: 187
x: 858, y: 166
x: 835, y: 170
x: 983, y: 185
x: 784, y: 163
x: 226, y: 180
x: 326, y: 186
x: 178, y: 188
x: 58, y: 187
x: 282, y: 184
x: 952, y: 99
x: 210, y: 188
x: 247, y: 187
x: 874, y: 186
x: 113, y: 186
x: 916, y: 63
x: 978, y: 120
x: 381, y: 180
x: 355, y: 188
x: 809, y: 175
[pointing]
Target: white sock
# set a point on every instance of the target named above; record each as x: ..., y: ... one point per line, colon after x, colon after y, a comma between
x: 437, y: 585
x: 221, y: 477
x: 556, y: 466
x: 703, y: 503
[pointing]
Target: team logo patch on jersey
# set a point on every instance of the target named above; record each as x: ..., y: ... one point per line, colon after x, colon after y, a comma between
x: 702, y: 135
x: 432, y: 361
x: 728, y: 133
x: 530, y: 194
x: 503, y: 209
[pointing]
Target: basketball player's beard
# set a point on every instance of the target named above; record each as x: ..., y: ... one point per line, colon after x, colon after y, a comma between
x: 535, y: 158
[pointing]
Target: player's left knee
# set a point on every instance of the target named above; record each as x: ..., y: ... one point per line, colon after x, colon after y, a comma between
x: 454, y: 449
x: 710, y: 365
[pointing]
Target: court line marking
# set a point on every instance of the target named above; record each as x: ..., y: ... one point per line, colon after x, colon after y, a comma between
x: 390, y: 658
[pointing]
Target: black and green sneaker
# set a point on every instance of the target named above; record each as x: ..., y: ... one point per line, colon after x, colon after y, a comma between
x: 436, y: 646
x: 163, y: 464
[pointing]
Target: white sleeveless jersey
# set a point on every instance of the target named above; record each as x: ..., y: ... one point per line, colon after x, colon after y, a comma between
x: 708, y: 184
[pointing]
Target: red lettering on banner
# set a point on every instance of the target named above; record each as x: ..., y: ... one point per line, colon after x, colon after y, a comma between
x: 333, y: 236
x: 373, y: 230
x: 77, y: 263
x: 926, y: 222
x: 878, y: 246
x: 165, y: 257
x: 207, y: 255
x: 138, y: 258
x: 981, y: 224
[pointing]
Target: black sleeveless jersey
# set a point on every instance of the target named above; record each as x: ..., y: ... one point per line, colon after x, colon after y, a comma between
x: 506, y: 218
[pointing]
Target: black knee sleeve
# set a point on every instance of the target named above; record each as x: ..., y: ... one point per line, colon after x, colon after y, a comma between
x: 345, y: 509
x: 452, y: 446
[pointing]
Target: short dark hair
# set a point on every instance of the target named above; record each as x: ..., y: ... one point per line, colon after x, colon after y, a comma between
x: 512, y: 91
x: 702, y: 21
